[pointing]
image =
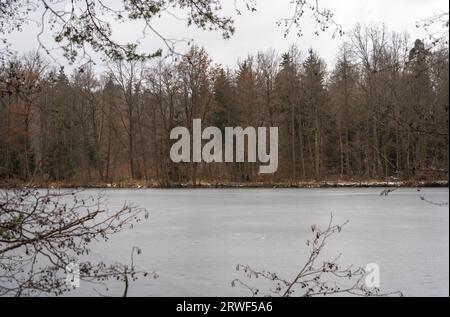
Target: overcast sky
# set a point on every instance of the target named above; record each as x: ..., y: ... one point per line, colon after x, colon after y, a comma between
x: 258, y: 31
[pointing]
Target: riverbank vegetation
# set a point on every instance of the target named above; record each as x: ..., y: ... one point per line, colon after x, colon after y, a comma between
x: 380, y: 113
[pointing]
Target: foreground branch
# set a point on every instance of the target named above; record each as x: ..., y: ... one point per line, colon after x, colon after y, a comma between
x: 42, y: 233
x: 327, y: 278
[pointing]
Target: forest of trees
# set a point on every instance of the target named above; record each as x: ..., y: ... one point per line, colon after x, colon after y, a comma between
x: 381, y: 112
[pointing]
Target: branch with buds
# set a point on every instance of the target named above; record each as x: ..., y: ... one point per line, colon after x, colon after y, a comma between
x: 315, y: 278
x: 41, y: 233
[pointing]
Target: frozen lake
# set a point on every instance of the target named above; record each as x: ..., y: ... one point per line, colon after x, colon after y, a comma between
x: 195, y: 238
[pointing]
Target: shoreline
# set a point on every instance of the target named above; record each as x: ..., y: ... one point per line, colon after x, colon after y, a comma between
x: 230, y: 185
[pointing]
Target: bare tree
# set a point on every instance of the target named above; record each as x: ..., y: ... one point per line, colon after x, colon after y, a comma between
x: 129, y: 77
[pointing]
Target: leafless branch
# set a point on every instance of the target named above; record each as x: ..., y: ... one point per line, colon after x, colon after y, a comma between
x: 314, y: 278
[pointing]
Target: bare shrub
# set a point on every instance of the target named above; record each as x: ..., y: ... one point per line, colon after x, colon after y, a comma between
x: 315, y: 278
x: 41, y: 233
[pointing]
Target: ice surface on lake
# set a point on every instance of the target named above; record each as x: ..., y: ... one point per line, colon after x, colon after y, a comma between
x: 195, y: 238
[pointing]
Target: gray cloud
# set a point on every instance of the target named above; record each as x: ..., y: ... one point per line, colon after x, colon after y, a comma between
x: 259, y: 32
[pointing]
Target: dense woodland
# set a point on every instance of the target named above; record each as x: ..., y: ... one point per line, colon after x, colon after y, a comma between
x: 380, y: 112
